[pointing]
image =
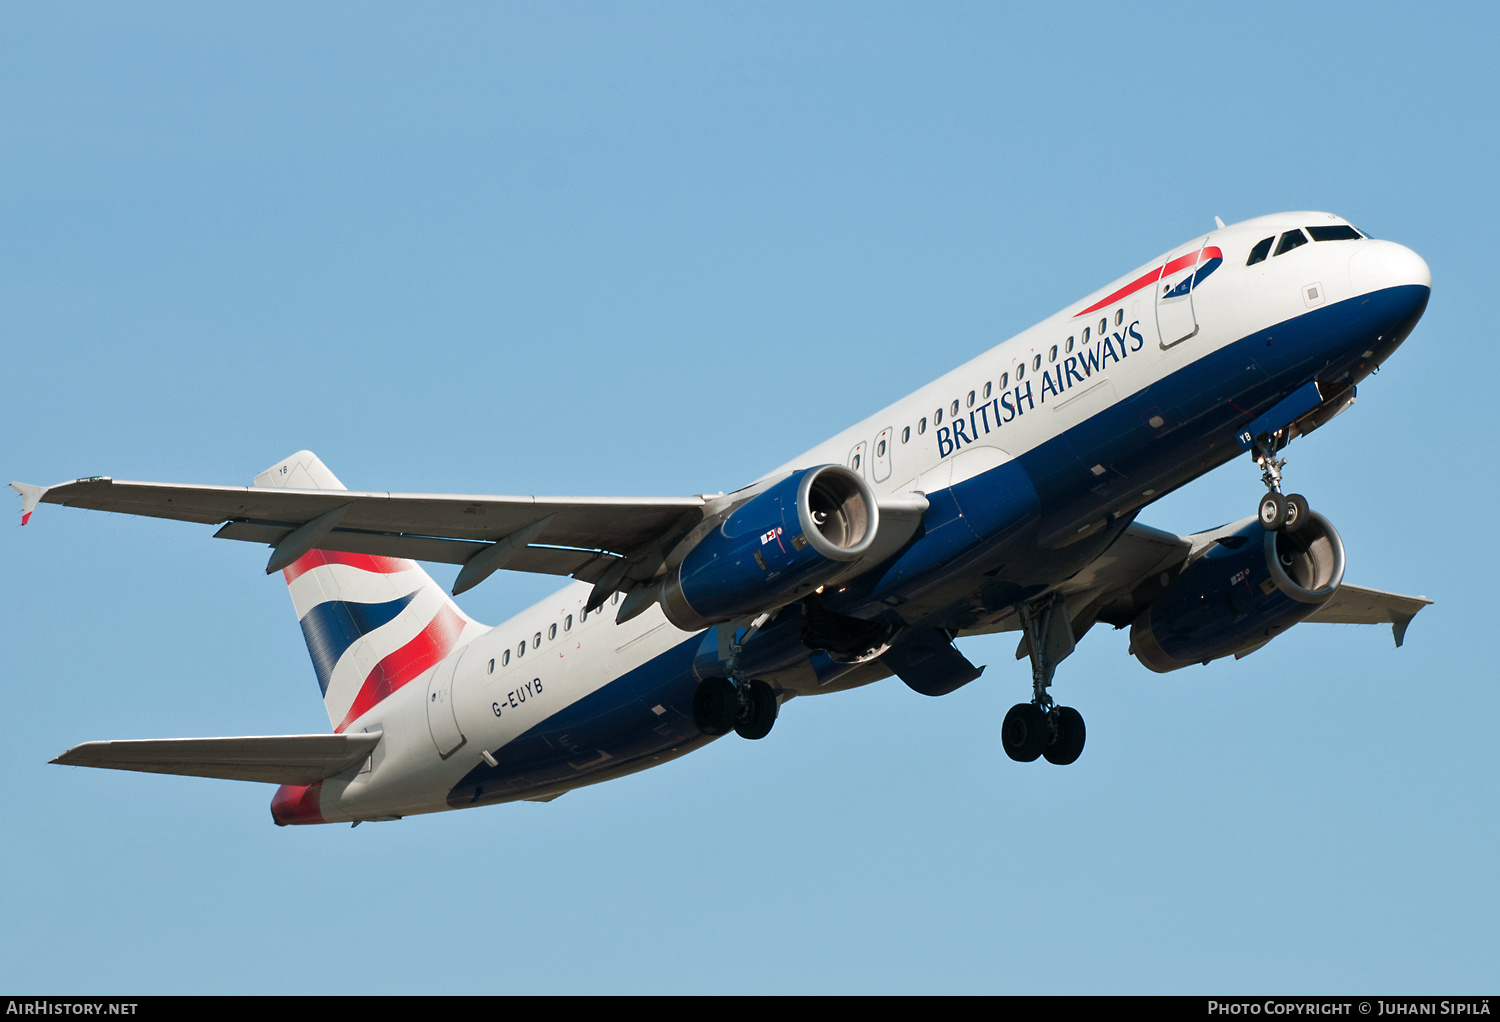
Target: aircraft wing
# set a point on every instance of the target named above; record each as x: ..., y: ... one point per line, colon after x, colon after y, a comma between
x: 1122, y: 581
x: 1355, y: 605
x: 277, y: 759
x: 584, y: 537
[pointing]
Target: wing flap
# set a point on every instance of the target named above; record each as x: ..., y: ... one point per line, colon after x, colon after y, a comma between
x: 540, y: 560
x: 276, y: 759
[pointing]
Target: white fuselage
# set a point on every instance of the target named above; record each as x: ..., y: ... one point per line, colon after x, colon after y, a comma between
x: 510, y: 679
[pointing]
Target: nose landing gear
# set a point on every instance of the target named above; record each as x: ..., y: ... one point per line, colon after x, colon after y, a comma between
x: 1276, y: 510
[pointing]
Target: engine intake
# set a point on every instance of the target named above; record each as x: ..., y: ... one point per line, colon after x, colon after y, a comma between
x: 1251, y: 586
x: 774, y: 548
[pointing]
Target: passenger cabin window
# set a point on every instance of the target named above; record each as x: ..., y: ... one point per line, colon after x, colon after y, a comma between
x: 568, y: 623
x: 921, y: 425
x: 1070, y: 344
x: 552, y: 632
x: 987, y: 386
x: 492, y: 665
x: 954, y: 409
x: 1103, y: 327
x: 505, y: 658
x: 971, y: 399
x: 905, y: 434
x: 521, y: 649
x: 1260, y: 251
x: 1020, y: 371
x: 1289, y: 241
x: 1119, y: 316
x: 1036, y: 362
x: 937, y: 417
x: 1334, y: 232
x: 1052, y: 355
x: 536, y: 641
x: 1085, y: 335
x: 1004, y: 380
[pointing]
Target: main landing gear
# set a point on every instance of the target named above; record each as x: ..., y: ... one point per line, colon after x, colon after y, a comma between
x: 721, y: 706
x: 737, y: 703
x: 1041, y: 728
x: 1276, y: 511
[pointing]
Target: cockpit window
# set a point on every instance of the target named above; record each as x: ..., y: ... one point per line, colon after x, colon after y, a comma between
x: 1334, y: 232
x: 1289, y: 241
x: 1260, y: 251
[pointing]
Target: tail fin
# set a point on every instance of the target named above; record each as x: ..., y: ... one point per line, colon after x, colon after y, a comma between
x: 372, y: 624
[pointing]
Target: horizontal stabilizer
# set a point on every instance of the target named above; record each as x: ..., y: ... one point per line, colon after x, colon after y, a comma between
x: 275, y: 759
x: 1354, y: 605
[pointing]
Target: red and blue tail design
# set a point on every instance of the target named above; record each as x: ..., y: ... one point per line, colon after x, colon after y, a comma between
x: 372, y: 624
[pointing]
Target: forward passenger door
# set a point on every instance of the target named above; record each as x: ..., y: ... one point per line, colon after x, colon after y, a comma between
x: 1175, y: 316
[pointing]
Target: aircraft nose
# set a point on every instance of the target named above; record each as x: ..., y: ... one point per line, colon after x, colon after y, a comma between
x: 1396, y: 284
x: 1382, y: 264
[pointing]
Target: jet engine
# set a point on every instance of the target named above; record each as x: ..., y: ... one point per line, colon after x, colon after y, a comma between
x: 773, y: 549
x: 1250, y: 586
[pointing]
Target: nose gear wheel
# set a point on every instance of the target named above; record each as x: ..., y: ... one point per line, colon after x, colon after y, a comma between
x: 1277, y: 511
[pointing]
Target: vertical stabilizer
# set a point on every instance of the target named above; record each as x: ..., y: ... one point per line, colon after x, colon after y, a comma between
x: 372, y: 624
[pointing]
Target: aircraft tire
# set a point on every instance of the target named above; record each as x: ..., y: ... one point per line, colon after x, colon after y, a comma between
x: 1068, y: 745
x: 1297, y: 512
x: 760, y: 715
x: 1024, y: 732
x: 714, y: 706
x: 1272, y: 512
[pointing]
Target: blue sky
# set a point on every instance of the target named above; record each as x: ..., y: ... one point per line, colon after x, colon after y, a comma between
x: 658, y: 249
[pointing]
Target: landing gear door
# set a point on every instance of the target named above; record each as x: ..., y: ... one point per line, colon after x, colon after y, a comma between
x: 1174, y: 297
x: 442, y: 720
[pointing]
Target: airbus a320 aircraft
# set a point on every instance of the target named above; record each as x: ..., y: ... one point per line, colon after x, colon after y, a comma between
x: 1000, y: 497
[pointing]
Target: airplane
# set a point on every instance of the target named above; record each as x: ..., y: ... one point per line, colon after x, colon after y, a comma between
x: 1001, y: 497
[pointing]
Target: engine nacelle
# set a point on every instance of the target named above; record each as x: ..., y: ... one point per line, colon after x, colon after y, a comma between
x: 1250, y: 587
x: 774, y: 548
